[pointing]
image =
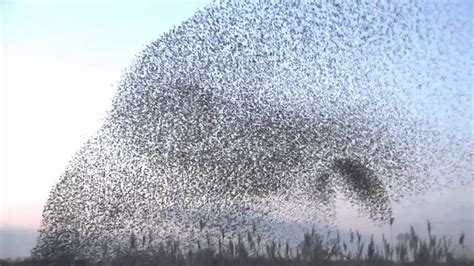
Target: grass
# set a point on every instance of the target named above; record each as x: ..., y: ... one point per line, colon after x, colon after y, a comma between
x: 315, y: 249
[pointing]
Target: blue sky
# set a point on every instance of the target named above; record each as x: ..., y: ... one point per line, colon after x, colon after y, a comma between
x: 59, y: 63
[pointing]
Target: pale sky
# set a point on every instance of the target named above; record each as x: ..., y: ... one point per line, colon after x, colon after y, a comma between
x: 59, y: 63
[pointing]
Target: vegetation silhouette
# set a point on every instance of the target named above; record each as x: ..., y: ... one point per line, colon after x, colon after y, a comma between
x: 316, y: 248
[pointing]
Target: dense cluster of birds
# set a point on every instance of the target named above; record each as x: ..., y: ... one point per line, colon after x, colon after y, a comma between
x: 249, y: 109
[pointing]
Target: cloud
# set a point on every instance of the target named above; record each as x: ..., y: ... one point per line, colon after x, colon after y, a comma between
x: 20, y: 242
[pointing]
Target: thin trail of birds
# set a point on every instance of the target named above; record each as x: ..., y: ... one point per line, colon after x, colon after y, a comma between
x: 248, y: 109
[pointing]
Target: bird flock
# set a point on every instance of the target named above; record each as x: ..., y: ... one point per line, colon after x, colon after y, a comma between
x: 265, y: 112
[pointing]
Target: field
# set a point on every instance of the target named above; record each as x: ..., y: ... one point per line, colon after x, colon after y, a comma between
x: 316, y: 248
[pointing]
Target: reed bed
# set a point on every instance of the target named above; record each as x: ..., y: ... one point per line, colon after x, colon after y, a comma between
x: 316, y: 248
